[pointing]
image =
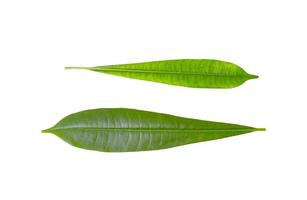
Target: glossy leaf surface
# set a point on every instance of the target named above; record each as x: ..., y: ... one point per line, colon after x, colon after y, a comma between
x: 124, y: 130
x: 196, y: 73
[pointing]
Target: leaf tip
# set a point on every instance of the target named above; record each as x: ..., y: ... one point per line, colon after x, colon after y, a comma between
x: 260, y: 129
x: 253, y: 76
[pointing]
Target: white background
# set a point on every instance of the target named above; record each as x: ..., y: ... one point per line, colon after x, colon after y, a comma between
x: 39, y: 38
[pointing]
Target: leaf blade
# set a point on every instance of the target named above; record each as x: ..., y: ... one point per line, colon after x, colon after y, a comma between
x: 125, y: 130
x: 195, y: 73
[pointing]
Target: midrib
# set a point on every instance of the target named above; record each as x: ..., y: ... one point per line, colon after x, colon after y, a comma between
x: 165, y: 72
x: 155, y: 129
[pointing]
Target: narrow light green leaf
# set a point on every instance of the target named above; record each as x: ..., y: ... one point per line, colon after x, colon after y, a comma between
x: 124, y: 130
x: 196, y: 73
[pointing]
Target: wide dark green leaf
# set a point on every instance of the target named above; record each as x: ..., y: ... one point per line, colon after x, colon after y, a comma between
x: 196, y: 73
x: 123, y: 130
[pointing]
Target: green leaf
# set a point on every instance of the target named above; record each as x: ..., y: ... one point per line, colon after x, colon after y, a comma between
x: 124, y: 130
x: 196, y: 73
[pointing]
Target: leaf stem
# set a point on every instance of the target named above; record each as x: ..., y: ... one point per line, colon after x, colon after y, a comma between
x: 45, y: 131
x: 69, y: 67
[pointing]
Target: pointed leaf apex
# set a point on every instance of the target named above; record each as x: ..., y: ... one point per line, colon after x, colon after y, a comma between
x: 253, y: 76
